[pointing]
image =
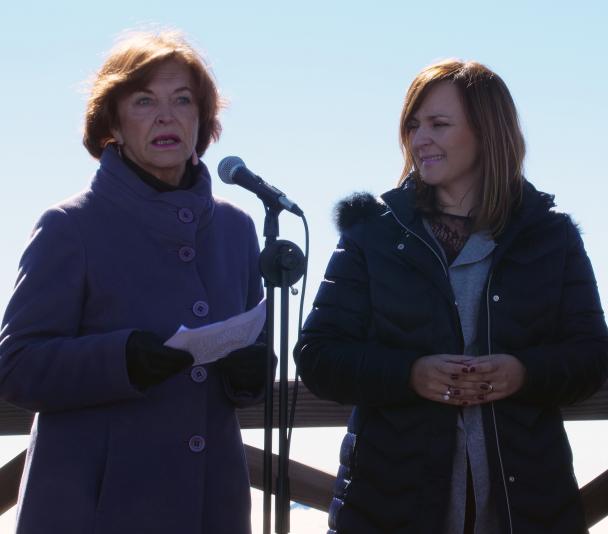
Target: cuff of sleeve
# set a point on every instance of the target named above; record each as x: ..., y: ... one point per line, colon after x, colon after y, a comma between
x: 116, y: 377
x: 242, y: 398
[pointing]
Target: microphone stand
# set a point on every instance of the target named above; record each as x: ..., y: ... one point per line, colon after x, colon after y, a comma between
x: 281, y: 265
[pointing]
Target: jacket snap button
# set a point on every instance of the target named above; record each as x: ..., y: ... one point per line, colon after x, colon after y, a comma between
x: 495, y: 298
x: 400, y: 246
x: 196, y: 443
x: 511, y: 478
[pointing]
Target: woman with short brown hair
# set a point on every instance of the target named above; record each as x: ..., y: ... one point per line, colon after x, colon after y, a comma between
x: 458, y: 313
x: 132, y: 436
x: 130, y: 65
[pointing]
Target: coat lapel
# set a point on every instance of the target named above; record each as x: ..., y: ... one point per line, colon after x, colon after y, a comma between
x: 414, y: 244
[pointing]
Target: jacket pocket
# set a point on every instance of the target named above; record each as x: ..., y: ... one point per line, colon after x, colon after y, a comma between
x: 521, y: 413
x: 102, y: 474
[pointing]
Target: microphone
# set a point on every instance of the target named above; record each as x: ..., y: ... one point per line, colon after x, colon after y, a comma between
x: 232, y: 170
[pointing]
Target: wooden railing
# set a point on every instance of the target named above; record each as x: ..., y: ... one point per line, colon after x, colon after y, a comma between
x: 308, y: 486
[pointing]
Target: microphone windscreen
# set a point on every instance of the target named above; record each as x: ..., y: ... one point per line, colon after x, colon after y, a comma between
x: 227, y: 167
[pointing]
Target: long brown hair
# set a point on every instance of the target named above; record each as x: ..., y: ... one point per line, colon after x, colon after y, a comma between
x: 129, y: 67
x: 492, y: 115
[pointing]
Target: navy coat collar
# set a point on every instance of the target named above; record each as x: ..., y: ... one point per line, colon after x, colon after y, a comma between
x: 401, y: 202
x: 534, y: 206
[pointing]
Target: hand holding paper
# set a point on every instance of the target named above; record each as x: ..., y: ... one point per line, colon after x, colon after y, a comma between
x: 214, y: 341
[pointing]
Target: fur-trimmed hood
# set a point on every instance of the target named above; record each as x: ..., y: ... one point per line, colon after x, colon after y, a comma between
x: 362, y: 205
x: 356, y: 208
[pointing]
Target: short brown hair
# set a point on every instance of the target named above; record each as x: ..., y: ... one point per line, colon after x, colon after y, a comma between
x: 129, y: 67
x: 491, y: 112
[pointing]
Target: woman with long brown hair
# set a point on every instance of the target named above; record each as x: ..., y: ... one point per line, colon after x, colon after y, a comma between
x: 458, y: 313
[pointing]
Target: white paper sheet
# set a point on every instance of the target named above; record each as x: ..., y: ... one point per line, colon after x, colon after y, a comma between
x: 214, y: 341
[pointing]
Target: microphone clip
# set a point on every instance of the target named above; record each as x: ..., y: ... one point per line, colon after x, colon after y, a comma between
x: 282, y: 263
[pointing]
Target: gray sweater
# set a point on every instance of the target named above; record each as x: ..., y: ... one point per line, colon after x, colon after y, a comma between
x: 468, y: 274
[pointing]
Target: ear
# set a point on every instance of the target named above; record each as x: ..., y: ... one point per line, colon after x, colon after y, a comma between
x: 117, y: 135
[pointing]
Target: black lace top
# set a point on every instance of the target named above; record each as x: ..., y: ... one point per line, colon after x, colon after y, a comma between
x: 452, y: 232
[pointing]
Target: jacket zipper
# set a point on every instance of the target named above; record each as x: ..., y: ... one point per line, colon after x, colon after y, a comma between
x: 502, y: 469
x: 445, y: 270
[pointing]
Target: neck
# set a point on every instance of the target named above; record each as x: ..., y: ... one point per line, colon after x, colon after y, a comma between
x: 456, y: 201
x: 171, y: 177
x: 162, y: 186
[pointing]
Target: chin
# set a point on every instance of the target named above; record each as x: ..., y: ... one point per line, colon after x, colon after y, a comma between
x: 175, y: 161
x: 170, y: 157
x: 431, y: 180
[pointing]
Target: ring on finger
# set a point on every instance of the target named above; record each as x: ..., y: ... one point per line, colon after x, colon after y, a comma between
x: 448, y: 393
x: 490, y: 388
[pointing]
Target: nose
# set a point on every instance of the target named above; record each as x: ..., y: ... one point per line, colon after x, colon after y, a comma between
x: 165, y: 114
x: 420, y: 138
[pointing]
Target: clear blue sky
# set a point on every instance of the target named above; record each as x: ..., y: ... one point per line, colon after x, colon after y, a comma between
x: 315, y: 91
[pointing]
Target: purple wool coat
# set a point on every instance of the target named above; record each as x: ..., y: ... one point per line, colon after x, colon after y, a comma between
x: 104, y: 457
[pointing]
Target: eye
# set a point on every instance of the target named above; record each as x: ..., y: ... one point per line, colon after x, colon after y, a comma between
x: 440, y: 124
x: 411, y: 126
x: 184, y: 99
x: 143, y: 101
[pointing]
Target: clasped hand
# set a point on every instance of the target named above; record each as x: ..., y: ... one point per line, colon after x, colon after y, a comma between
x: 465, y: 380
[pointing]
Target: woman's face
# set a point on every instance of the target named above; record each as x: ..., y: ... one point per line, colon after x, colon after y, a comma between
x: 158, y: 125
x: 443, y: 145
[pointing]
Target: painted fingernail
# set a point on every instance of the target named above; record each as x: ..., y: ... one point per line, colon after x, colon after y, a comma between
x: 481, y: 397
x: 455, y: 392
x: 484, y: 386
x: 465, y: 403
x: 471, y: 369
x: 454, y: 377
x: 465, y: 369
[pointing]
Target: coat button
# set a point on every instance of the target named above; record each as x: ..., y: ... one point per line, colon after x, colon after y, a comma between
x: 198, y: 374
x: 400, y: 246
x: 196, y: 443
x: 185, y: 215
x: 511, y: 479
x: 496, y: 298
x: 200, y: 308
x: 186, y: 254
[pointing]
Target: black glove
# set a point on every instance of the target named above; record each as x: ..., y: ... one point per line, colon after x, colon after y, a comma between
x: 149, y: 362
x: 246, y: 368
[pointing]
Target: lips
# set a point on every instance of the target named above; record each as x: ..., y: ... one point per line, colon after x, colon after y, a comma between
x: 166, y: 140
x: 429, y: 160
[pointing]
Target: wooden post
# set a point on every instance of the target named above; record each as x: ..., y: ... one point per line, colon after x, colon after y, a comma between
x: 10, y: 475
x: 595, y: 499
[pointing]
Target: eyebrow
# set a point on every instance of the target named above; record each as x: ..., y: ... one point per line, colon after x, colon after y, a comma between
x: 148, y: 91
x: 435, y: 116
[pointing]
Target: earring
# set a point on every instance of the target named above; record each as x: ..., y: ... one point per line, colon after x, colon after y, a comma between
x: 119, y: 149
